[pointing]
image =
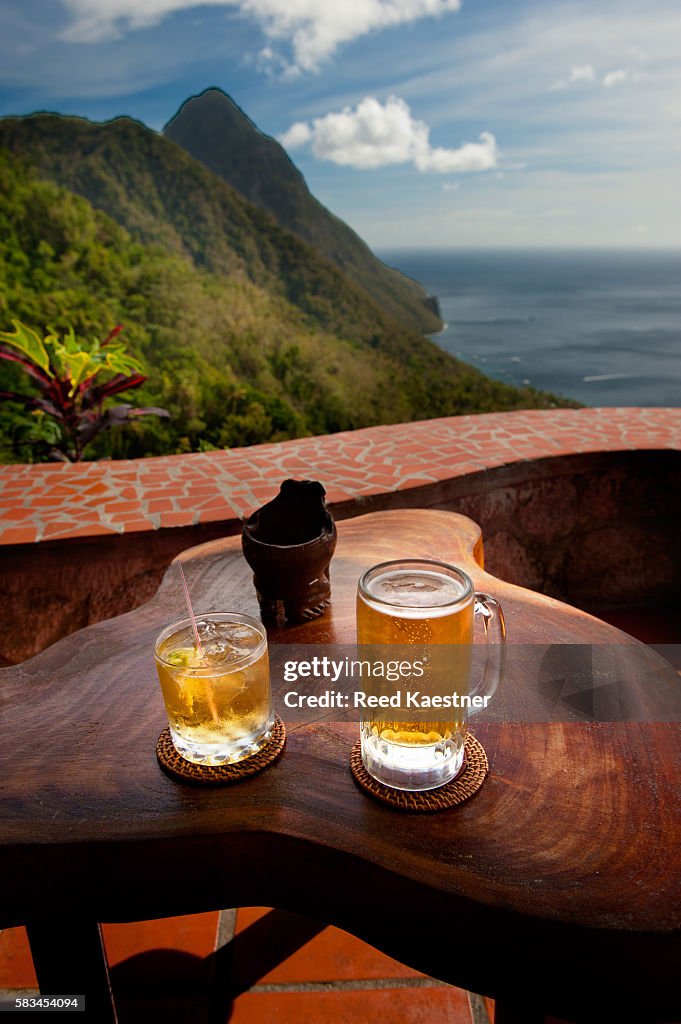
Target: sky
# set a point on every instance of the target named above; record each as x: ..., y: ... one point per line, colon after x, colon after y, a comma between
x: 422, y: 123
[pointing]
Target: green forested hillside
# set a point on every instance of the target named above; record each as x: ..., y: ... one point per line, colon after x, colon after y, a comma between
x: 234, y: 361
x: 159, y: 193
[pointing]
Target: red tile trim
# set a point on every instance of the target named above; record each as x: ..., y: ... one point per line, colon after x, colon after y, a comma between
x: 89, y: 499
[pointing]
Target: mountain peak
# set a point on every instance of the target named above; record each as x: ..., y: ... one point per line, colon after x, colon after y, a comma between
x: 212, y: 101
x: 213, y: 129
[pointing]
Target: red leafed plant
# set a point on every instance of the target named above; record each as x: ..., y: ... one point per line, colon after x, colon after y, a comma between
x: 70, y: 384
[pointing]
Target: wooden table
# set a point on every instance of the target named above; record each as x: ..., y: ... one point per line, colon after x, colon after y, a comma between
x: 556, y: 889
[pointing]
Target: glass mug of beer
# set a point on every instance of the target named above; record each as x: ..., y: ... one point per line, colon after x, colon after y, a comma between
x: 218, y: 698
x: 431, y: 607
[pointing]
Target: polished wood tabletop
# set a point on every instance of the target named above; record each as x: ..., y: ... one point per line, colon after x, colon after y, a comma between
x: 561, y: 877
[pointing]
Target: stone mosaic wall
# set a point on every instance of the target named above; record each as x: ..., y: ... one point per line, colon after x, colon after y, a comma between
x: 95, y: 499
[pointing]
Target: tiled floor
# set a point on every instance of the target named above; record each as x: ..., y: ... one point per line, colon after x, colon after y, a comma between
x: 278, y: 967
x: 255, y: 966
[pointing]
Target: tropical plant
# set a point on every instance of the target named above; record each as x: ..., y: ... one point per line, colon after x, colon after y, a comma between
x: 69, y: 377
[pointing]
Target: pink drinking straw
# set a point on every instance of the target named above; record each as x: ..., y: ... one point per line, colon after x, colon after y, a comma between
x: 192, y: 617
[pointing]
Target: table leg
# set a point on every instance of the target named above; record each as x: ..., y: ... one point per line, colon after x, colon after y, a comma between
x: 69, y: 959
x: 516, y: 1013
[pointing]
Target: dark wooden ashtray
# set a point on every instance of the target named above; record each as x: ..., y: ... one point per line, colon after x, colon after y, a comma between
x: 289, y: 543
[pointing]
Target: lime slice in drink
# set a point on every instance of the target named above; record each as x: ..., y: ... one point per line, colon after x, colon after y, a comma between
x: 182, y: 657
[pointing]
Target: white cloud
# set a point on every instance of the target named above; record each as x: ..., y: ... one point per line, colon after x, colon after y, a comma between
x: 582, y: 73
x: 377, y: 135
x: 615, y: 77
x: 313, y: 28
x: 297, y: 135
x: 578, y: 73
x: 472, y: 156
x: 587, y: 73
x: 373, y: 135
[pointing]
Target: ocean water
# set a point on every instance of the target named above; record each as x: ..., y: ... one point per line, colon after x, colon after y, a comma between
x: 601, y: 327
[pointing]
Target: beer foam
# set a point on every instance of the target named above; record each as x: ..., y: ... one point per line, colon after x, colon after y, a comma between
x: 408, y: 588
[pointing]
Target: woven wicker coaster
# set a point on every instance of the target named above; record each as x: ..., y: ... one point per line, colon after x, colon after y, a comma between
x: 220, y: 775
x: 463, y: 787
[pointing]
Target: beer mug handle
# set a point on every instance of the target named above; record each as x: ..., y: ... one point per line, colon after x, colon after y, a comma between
x: 494, y: 628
